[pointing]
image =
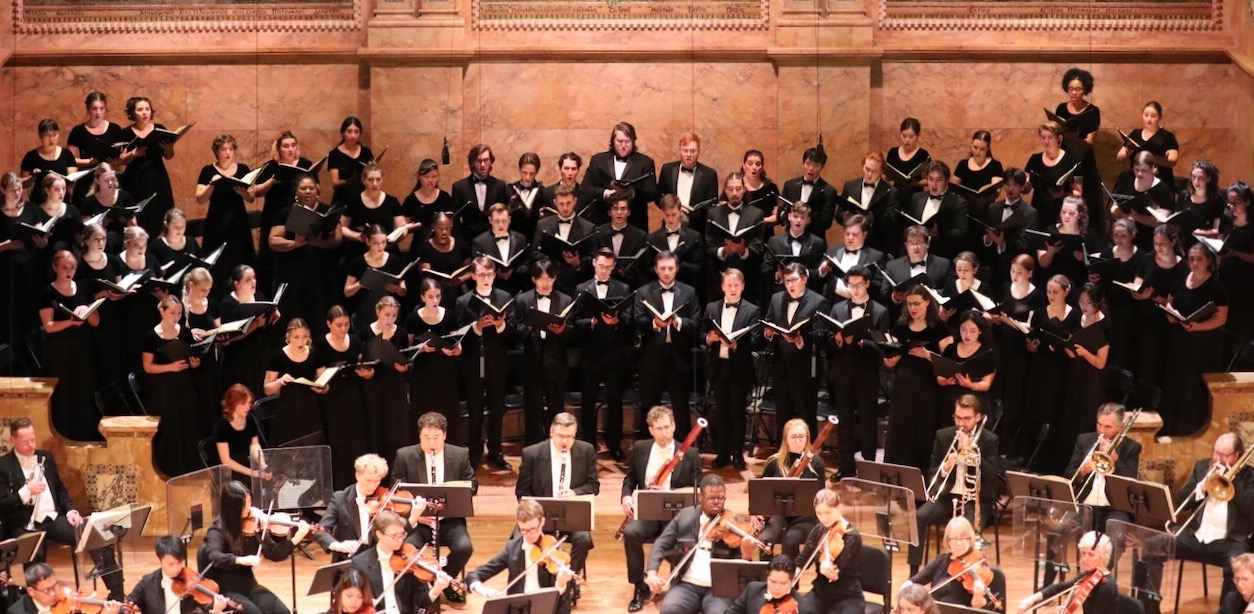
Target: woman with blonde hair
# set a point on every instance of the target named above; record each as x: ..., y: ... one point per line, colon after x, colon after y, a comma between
x: 167, y: 358
x: 791, y: 531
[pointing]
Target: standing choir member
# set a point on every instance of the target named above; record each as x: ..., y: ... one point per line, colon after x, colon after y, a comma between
x: 484, y: 364
x: 912, y: 411
x: 167, y: 359
x: 605, y: 339
x: 810, y: 188
x: 146, y: 174
x: 342, y: 421
x: 226, y: 220
x: 385, y: 392
x: 796, y: 356
x: 729, y: 366
x: 298, y: 402
x: 854, y: 370
x: 545, y: 363
x: 666, y: 311
x: 691, y: 181
x: 624, y: 166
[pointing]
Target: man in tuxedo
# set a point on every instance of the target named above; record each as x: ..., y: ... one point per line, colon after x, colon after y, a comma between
x: 605, y: 335
x: 561, y: 466
x: 480, y: 189
x: 588, y: 199
x: 153, y: 593
x: 526, y: 196
x: 1008, y: 218
x: 795, y: 365
x: 572, y: 263
x: 433, y: 461
x: 648, y: 458
x: 810, y: 188
x: 852, y: 252
x: 758, y: 595
x: 724, y: 251
x: 507, y: 248
x: 942, y: 211
x: 346, y: 525
x: 794, y: 245
x: 873, y: 196
x: 544, y: 349
x: 948, y: 460
x: 513, y: 558
x: 623, y: 166
x: 689, y: 180
x: 917, y: 261
x: 729, y: 366
x: 626, y: 241
x: 666, y: 312
x: 679, y: 239
x: 854, y: 375
x: 407, y: 595
x: 43, y: 591
x: 33, y: 498
x: 485, y: 364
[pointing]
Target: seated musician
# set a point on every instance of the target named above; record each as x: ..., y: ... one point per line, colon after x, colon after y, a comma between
x: 433, y: 461
x: 832, y: 547
x: 43, y: 591
x: 352, y: 594
x: 697, y: 535
x: 1093, y: 588
x: 961, y: 481
x: 915, y: 599
x: 526, y: 558
x: 951, y: 572
x: 649, y: 457
x: 791, y: 531
x: 347, y: 521
x: 1239, y: 600
x: 775, y: 594
x: 380, y: 564
x: 155, y: 593
x: 232, y: 544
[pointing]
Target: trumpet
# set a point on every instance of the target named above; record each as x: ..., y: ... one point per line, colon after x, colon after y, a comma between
x: 1101, y: 459
x: 969, y: 456
x: 1217, y: 484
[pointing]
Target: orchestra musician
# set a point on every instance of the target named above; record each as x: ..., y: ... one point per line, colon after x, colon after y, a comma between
x: 43, y: 592
x: 1093, y: 588
x: 1239, y: 600
x: 776, y: 594
x: 691, y: 533
x: 795, y: 363
x: 380, y: 564
x: 964, y: 470
x: 484, y: 364
x: 352, y: 594
x: 346, y: 524
x: 648, y: 458
x: 729, y: 366
x: 433, y: 461
x: 666, y: 360
x: 833, y: 547
x: 479, y: 190
x: 1111, y: 419
x: 810, y: 188
x: 155, y: 594
x: 791, y: 531
x: 689, y: 180
x: 950, y: 573
x: 915, y: 599
x: 524, y: 555
x: 561, y: 466
x: 34, y: 498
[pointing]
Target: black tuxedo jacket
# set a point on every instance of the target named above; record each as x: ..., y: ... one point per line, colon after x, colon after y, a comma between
x: 485, y: 243
x: 689, y: 252
x: 602, y: 343
x: 653, y: 346
x: 950, y: 221
x: 14, y: 514
x: 551, y: 351
x: 150, y: 597
x: 411, y: 594
x: 938, y: 270
x: 1240, y: 509
x: 787, y: 356
x: 633, y: 243
x: 492, y: 344
x: 1013, y: 233
x: 511, y: 559
x: 881, y: 198
x: 341, y: 519
x: 822, y: 204
x: 812, y: 248
x: 25, y: 605
x: 1127, y: 465
x: 867, y: 256
x: 753, y: 598
x: 754, y: 239
x: 704, y: 182
x: 680, y: 536
x: 600, y: 175
x: 989, y: 460
x: 411, y: 466
x: 535, y: 476
x: 686, y: 473
x: 523, y: 218
x: 587, y: 202
x: 858, y: 360
x: 567, y: 276
x: 474, y: 218
x: 741, y: 360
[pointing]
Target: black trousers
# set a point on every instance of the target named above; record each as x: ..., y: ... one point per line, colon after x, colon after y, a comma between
x: 634, y: 537
x: 679, y: 385
x: 853, y: 397
x: 614, y: 377
x: 544, y: 396
x: 484, y: 383
x: 796, y: 394
x: 728, y: 421
x: 454, y: 536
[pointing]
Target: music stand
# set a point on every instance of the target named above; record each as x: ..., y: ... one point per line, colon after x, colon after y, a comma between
x: 325, y: 577
x: 883, y: 509
x: 663, y: 505
x: 782, y: 496
x: 543, y: 601
x: 904, y: 476
x: 1023, y: 484
x: 728, y: 578
x: 448, y: 500
x: 1135, y: 548
x: 1147, y: 503
x: 566, y: 514
x: 20, y: 549
x: 108, y: 528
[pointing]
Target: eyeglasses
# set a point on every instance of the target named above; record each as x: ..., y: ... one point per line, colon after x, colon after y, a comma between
x: 798, y: 437
x: 958, y: 540
x: 50, y: 591
x: 398, y: 536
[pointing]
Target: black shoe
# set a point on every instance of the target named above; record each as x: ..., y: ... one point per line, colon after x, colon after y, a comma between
x: 453, y: 596
x: 638, y: 599
x: 739, y: 462
x: 616, y: 453
x: 497, y: 461
x: 721, y: 461
x: 574, y: 597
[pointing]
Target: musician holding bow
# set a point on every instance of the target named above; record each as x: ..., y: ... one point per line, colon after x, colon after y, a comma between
x: 526, y: 557
x: 832, y: 548
x: 390, y: 572
x: 796, y: 458
x: 1093, y: 589
x: 346, y: 524
x: 155, y: 592
x: 1241, y: 600
x: 962, y: 576
x: 776, y: 595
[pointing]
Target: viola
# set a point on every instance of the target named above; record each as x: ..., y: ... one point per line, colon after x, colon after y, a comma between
x: 969, y: 568
x: 280, y: 524
x: 556, y: 560
x: 732, y: 531
x: 402, y: 502
x: 70, y: 601
x: 784, y: 605
x: 422, y: 564
x: 190, y: 585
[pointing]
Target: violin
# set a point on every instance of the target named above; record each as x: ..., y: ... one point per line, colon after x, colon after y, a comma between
x: 732, y: 531
x: 555, y: 561
x: 189, y: 584
x: 401, y: 502
x: 835, y: 541
x: 70, y: 602
x: 422, y: 564
x: 784, y: 605
x: 969, y: 568
x: 280, y: 524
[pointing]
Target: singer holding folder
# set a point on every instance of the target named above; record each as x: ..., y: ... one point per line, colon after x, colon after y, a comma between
x: 69, y: 349
x: 168, y: 359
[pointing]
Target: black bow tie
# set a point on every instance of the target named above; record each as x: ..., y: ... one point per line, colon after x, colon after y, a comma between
x: 793, y: 301
x: 792, y: 239
x: 617, y: 158
x: 806, y: 182
x: 603, y: 283
x: 562, y: 221
x: 684, y: 169
x: 852, y: 252
x: 486, y: 297
x: 540, y: 296
x: 936, y: 197
x: 672, y: 233
x: 670, y: 289
x: 736, y: 210
x: 735, y: 305
x: 853, y: 306
x: 476, y: 179
x: 499, y: 239
x: 616, y: 231
x: 915, y: 264
x: 870, y: 185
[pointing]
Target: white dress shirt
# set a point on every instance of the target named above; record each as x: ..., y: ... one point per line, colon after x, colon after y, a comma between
x: 385, y: 570
x: 45, y: 507
x: 658, y: 457
x: 698, y: 572
x: 683, y: 187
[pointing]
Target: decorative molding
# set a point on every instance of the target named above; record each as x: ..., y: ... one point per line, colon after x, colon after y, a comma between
x: 499, y: 15
x: 171, y: 16
x: 1096, y: 16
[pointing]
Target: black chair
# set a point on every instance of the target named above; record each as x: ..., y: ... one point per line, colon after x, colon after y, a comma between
x: 1041, y: 435
x: 34, y: 350
x: 6, y: 359
x: 112, y: 401
x: 1180, y: 579
x: 264, y: 410
x: 877, y: 576
x: 137, y: 391
x: 1143, y: 395
x: 1128, y: 605
x: 207, y: 449
x: 1118, y: 382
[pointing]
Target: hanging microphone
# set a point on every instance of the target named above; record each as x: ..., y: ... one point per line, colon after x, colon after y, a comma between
x: 444, y: 157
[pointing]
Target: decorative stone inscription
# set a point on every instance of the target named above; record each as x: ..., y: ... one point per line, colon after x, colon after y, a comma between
x: 113, y: 16
x: 1171, y: 15
x: 620, y: 14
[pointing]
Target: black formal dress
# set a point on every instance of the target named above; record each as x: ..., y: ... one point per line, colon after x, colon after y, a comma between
x: 226, y: 221
x: 146, y: 176
x: 1014, y: 367
x: 844, y: 596
x: 207, y: 379
x: 69, y: 356
x: 172, y: 397
x: 1046, y: 384
x: 297, y: 411
x: 1234, y: 274
x: 416, y: 210
x: 362, y: 305
x: 1158, y: 144
x: 19, y: 271
x: 446, y: 262
x: 912, y: 413
x: 350, y: 169
x: 1120, y: 306
x: 33, y: 161
x: 97, y: 147
x: 343, y: 425
x: 387, y: 404
x: 1152, y: 326
x: 244, y: 357
x: 1190, y: 354
x: 433, y: 375
x: 1047, y: 195
x: 1160, y: 194
x: 1086, y: 385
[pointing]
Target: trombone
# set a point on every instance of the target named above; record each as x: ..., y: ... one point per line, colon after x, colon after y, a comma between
x: 1216, y: 484
x: 969, y: 456
x: 1102, y: 462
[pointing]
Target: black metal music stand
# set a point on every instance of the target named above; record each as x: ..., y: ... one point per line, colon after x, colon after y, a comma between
x: 904, y: 476
x: 1147, y: 503
x: 728, y: 578
x: 325, y: 579
x: 444, y: 501
x: 663, y: 505
x: 783, y: 496
x: 543, y: 601
x: 565, y: 515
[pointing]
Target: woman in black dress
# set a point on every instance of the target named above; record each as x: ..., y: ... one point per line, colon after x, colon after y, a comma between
x: 1086, y: 381
x: 444, y: 253
x: 100, y: 265
x: 908, y: 159
x: 424, y: 201
x: 343, y: 420
x: 1155, y: 280
x: 49, y: 157
x: 69, y: 350
x: 67, y: 231
x: 298, y: 402
x: 912, y: 417
x: 146, y: 174
x: 371, y: 206
x: 346, y: 161
x: 1019, y: 300
x: 171, y: 391
x: 1143, y: 183
x: 1237, y: 267
x: 18, y: 269
x: 1049, y: 372
x: 1081, y: 121
x: 236, y: 438
x: 376, y: 257
x: 433, y: 368
x: 791, y: 531
x: 279, y: 190
x: 979, y: 170
x: 759, y: 190
x: 106, y: 197
x: 234, y: 556
x: 174, y: 244
x: 1044, y: 169
x: 92, y: 141
x: 201, y: 314
x: 1058, y: 259
x: 388, y: 412
x: 966, y: 269
x: 1194, y: 347
x: 227, y: 218
x: 1127, y: 260
x: 244, y: 356
x: 973, y: 340
x: 139, y: 308
x: 1159, y: 142
x: 1201, y: 202
x: 303, y: 262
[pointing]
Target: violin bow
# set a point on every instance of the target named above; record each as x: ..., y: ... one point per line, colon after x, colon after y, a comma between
x: 701, y: 536
x: 543, y: 556
x: 396, y: 577
x: 261, y: 540
x: 198, y: 576
x: 810, y: 561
